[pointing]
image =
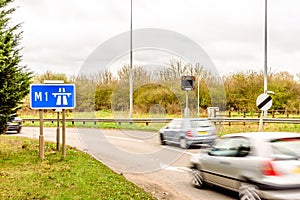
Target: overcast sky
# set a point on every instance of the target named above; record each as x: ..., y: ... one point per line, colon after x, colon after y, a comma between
x: 59, y: 35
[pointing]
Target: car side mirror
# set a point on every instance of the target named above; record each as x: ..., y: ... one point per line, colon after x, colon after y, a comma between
x: 243, y: 151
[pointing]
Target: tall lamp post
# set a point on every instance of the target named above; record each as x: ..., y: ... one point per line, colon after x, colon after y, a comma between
x: 266, y: 54
x: 198, y: 105
x: 130, y: 72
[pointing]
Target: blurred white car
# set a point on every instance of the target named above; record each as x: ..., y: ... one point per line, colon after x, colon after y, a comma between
x: 261, y: 165
x: 188, y: 131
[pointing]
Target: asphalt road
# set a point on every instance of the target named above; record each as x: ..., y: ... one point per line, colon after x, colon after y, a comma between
x: 161, y: 170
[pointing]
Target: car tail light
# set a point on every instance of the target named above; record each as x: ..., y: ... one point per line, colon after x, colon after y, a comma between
x: 268, y: 169
x: 189, y: 133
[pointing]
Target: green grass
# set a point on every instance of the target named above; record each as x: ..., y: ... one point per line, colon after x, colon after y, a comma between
x: 23, y: 175
x: 103, y: 125
x: 252, y: 127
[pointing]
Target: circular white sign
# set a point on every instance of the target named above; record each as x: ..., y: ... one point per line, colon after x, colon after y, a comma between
x: 264, y: 102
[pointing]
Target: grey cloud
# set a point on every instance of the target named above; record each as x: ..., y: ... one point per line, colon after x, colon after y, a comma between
x: 64, y: 32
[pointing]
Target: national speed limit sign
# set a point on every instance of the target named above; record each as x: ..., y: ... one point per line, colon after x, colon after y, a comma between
x: 264, y: 102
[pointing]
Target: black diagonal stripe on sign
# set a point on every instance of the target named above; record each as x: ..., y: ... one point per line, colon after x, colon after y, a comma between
x: 262, y: 104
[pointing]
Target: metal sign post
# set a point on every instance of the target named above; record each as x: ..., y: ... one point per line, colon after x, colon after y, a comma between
x: 57, y: 133
x: 58, y: 130
x: 186, y: 110
x: 64, y: 133
x: 264, y: 103
x: 41, y: 137
x: 261, y: 122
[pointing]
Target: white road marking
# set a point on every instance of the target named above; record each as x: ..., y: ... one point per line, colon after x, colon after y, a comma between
x: 123, y: 138
x: 185, y: 169
x: 171, y: 168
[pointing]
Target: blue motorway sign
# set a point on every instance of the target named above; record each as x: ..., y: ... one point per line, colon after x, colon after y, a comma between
x: 52, y: 96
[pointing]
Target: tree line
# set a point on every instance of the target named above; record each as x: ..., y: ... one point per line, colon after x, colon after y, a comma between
x: 159, y: 90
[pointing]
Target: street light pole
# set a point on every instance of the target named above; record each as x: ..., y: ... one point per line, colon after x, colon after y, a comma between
x: 198, y: 105
x: 266, y: 51
x: 130, y: 72
x: 266, y: 54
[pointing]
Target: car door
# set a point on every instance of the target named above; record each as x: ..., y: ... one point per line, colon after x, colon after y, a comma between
x: 172, y: 129
x: 224, y: 161
x: 176, y: 130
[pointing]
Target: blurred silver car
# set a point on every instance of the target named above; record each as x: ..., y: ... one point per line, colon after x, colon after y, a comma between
x: 15, y: 124
x: 261, y: 165
x: 188, y: 131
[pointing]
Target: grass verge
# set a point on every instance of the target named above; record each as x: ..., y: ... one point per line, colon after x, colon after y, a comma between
x: 104, y: 125
x: 23, y: 175
x: 253, y: 127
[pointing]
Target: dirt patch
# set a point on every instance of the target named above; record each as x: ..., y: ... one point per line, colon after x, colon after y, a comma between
x: 159, y: 190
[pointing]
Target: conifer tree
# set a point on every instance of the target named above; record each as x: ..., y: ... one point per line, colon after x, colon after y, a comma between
x: 14, y: 78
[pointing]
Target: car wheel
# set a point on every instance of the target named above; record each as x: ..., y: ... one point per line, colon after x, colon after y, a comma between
x: 197, y: 179
x: 248, y: 192
x: 183, y: 143
x: 162, y: 139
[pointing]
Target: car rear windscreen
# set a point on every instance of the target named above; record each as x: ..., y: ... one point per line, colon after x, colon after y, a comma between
x: 200, y: 123
x: 286, y: 148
